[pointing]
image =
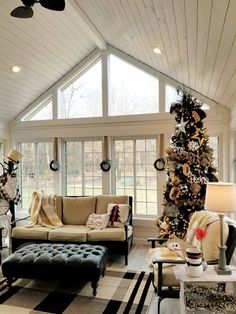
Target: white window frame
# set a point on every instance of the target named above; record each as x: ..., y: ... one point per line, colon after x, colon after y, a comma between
x: 113, y: 180
x: 82, y: 140
x: 37, y: 164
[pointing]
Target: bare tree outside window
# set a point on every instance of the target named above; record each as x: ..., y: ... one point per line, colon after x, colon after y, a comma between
x: 83, y: 98
x: 132, y: 91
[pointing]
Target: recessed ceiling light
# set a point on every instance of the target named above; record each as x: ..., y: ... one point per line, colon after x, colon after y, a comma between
x: 157, y: 50
x: 15, y: 68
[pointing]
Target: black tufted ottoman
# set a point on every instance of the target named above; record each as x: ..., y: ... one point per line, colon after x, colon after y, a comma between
x: 57, y: 261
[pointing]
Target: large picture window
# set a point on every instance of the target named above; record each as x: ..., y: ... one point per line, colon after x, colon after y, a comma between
x: 214, y: 144
x: 34, y: 171
x: 82, y: 167
x: 82, y: 98
x: 132, y: 91
x: 135, y: 174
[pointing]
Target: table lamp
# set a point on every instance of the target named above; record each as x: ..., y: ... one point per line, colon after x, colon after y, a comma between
x: 221, y: 198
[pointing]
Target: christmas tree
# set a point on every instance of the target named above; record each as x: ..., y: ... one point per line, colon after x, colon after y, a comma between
x: 189, y: 164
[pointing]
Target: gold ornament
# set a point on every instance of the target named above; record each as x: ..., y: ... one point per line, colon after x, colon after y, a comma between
x: 175, y: 180
x: 186, y: 169
x: 195, y: 188
x: 169, y: 151
x: 174, y: 192
x: 196, y: 116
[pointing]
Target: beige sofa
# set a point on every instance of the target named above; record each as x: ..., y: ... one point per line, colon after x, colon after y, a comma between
x: 74, y: 213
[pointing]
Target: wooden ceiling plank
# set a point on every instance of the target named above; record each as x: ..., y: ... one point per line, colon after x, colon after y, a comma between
x: 191, y: 25
x: 227, y: 76
x: 204, y: 18
x: 219, y: 9
x: 147, y: 22
x: 143, y: 34
x: 172, y: 29
x: 88, y: 26
x: 180, y: 20
x: 225, y: 49
x: 164, y: 32
x: 157, y: 38
x: 31, y: 44
x: 132, y: 36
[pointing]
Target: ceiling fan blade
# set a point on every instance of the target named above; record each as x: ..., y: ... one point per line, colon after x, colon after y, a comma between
x: 22, y: 12
x: 57, y: 5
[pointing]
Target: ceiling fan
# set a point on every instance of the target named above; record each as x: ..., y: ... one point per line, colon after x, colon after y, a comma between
x: 26, y: 11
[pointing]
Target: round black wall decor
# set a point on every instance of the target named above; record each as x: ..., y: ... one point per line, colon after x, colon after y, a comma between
x: 105, y: 165
x: 159, y: 164
x: 54, y: 165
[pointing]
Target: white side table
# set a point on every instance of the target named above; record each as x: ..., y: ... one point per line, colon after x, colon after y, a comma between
x: 209, y: 276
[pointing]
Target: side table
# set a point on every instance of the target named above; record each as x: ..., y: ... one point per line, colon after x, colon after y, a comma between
x: 209, y: 276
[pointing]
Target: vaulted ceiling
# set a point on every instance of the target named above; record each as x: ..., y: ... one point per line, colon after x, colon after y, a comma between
x: 197, y: 39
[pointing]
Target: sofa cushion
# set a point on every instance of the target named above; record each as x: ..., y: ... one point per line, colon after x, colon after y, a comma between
x: 104, y: 200
x: 40, y: 233
x: 96, y: 221
x: 59, y: 205
x: 109, y: 234
x: 76, y: 210
x: 69, y: 233
x: 119, y: 214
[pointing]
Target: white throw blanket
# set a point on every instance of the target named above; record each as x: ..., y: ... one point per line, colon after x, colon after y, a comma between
x: 43, y: 211
x: 200, y: 219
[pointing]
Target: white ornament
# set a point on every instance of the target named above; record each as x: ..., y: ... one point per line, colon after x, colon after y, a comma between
x: 193, y: 146
x: 181, y: 126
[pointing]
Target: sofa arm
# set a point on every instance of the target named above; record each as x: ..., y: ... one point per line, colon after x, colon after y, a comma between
x: 126, y: 227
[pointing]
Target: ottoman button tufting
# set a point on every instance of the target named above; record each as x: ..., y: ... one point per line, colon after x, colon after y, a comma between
x: 57, y: 261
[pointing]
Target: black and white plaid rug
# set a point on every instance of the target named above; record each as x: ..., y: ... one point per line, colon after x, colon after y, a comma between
x: 117, y: 292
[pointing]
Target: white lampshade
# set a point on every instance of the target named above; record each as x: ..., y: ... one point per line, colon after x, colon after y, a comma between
x: 221, y: 197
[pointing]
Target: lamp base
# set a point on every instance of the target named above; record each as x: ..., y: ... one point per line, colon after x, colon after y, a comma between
x: 225, y: 271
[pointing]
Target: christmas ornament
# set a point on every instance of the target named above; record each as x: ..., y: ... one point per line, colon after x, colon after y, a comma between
x: 181, y: 126
x: 186, y: 169
x: 174, y: 192
x: 183, y: 188
x: 193, y: 146
x: 175, y: 180
x: 196, y: 116
x: 195, y: 188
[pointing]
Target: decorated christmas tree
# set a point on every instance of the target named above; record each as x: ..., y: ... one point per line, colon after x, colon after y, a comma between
x: 189, y: 165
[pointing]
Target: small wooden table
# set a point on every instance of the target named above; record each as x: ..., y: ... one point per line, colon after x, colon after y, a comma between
x: 209, y: 276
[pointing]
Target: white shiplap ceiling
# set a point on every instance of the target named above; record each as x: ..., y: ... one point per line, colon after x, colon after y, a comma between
x: 197, y: 38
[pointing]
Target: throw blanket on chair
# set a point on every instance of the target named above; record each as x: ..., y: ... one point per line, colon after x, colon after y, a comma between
x: 200, y: 219
x: 42, y: 211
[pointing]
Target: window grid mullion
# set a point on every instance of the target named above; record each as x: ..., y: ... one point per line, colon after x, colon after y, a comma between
x: 135, y: 172
x: 82, y: 172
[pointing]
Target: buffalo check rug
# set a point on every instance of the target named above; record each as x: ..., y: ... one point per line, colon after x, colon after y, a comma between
x: 117, y: 292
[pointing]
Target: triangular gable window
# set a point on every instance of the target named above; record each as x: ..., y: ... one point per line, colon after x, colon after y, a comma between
x: 41, y: 112
x: 82, y: 98
x: 132, y: 90
x: 171, y: 95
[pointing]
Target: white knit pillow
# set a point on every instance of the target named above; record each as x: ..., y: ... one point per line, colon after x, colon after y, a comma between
x: 96, y: 221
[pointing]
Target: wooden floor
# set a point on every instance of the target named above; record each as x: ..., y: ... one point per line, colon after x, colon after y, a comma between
x: 136, y: 259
